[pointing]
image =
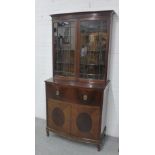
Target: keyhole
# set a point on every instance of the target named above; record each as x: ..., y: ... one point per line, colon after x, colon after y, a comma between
x: 57, y: 92
x: 84, y: 97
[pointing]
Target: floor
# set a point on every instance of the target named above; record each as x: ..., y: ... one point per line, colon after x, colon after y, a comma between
x: 55, y: 145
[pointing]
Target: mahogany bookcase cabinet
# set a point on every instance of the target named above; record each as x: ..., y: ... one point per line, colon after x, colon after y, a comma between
x: 76, y: 95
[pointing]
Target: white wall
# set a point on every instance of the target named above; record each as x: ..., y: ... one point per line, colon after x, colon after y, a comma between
x: 44, y: 52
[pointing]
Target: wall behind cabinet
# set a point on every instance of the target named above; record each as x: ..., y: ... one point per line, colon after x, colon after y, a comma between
x: 43, y: 52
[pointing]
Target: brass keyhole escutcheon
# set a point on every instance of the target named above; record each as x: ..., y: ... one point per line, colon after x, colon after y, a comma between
x: 57, y: 93
x: 85, y: 97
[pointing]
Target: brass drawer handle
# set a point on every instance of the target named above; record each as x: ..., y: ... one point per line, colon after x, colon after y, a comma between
x: 57, y: 93
x: 85, y: 97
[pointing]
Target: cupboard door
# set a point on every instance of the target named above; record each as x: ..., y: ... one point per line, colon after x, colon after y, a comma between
x: 58, y: 115
x: 85, y: 121
x: 93, y: 46
x: 64, y: 48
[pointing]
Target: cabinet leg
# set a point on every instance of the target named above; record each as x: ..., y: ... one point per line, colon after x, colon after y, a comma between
x: 104, y: 131
x: 47, y: 132
x: 98, y: 147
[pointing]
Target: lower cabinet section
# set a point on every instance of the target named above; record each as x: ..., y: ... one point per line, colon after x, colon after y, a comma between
x: 81, y: 121
x: 75, y: 112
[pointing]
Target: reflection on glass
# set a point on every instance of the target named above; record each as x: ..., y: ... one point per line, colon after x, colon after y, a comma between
x: 93, y: 40
x: 64, y: 45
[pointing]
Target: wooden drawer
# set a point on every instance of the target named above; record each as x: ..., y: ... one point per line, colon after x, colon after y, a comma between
x: 60, y: 92
x: 55, y: 91
x: 89, y: 96
x: 85, y: 96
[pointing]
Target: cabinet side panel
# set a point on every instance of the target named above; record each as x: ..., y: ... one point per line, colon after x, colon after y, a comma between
x: 104, y: 108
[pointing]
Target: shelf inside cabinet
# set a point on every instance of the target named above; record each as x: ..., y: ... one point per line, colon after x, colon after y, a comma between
x: 92, y: 64
x: 61, y: 62
x: 63, y: 73
x: 91, y: 76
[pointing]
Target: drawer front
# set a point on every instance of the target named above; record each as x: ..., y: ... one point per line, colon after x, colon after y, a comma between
x: 55, y: 91
x: 75, y: 95
x: 59, y: 92
x: 89, y: 96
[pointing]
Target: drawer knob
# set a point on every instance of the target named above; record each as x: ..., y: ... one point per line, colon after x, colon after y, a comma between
x: 85, y: 97
x: 57, y: 93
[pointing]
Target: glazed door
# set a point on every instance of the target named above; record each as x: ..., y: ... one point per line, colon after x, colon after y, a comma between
x: 58, y: 116
x: 93, y: 46
x: 85, y: 121
x: 64, y: 33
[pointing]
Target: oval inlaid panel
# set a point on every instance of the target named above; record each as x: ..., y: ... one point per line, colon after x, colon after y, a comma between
x: 58, y: 116
x: 84, y: 122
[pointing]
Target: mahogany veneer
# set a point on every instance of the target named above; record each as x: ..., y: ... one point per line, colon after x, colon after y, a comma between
x: 76, y: 95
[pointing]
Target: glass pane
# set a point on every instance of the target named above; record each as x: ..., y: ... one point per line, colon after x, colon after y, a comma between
x: 93, y: 41
x: 64, y: 45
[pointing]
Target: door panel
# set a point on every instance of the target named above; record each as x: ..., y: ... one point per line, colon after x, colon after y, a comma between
x: 93, y: 45
x: 85, y: 121
x: 58, y: 115
x: 64, y: 47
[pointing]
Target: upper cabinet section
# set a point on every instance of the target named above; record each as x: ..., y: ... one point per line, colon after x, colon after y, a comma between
x: 80, y: 45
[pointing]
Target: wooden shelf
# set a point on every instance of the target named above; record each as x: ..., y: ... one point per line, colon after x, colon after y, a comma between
x: 92, y: 64
x: 67, y: 63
